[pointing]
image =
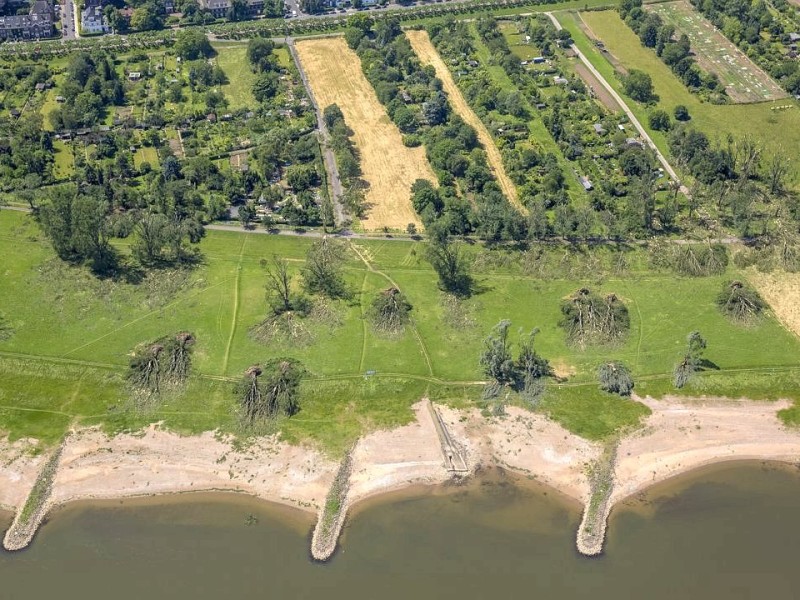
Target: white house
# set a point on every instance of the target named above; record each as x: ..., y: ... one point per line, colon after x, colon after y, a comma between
x: 92, y: 19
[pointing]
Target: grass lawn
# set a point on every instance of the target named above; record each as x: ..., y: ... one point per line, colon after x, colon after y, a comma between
x: 64, y: 161
x: 73, y: 334
x: 757, y: 120
x: 50, y: 103
x: 146, y: 154
x: 284, y: 58
x: 232, y: 58
x: 744, y: 80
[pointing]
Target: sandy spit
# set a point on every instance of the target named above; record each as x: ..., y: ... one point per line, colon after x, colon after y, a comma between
x: 684, y: 434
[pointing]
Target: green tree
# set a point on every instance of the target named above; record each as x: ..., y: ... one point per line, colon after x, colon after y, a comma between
x: 639, y: 86
x: 152, y: 234
x: 323, y: 273
x: 247, y: 213
x: 659, y: 120
x: 76, y: 226
x: 531, y: 369
x: 682, y: 113
x: 451, y: 266
x: 496, y: 359
x: 259, y: 54
x: 147, y: 16
x: 192, y: 44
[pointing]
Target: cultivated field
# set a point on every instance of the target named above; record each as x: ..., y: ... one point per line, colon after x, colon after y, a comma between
x: 429, y: 56
x: 335, y: 75
x: 600, y: 92
x: 763, y: 121
x: 744, y: 80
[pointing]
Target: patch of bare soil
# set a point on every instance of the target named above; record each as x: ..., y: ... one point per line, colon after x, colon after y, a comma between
x: 782, y: 293
x: 600, y: 92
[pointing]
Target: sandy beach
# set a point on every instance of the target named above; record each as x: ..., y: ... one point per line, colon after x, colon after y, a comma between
x: 678, y: 436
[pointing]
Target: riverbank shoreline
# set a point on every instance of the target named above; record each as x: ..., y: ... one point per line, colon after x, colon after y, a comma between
x: 679, y: 436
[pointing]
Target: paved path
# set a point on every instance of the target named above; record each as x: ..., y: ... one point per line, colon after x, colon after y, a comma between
x: 388, y: 237
x: 642, y: 131
x: 327, y: 154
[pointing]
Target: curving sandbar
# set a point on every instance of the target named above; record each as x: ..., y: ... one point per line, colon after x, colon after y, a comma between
x: 679, y: 435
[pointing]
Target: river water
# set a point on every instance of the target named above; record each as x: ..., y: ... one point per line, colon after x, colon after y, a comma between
x: 731, y: 531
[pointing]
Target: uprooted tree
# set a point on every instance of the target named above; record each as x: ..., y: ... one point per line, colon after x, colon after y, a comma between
x: 591, y: 319
x: 285, y: 307
x: 390, y: 311
x: 525, y: 374
x: 740, y: 302
x: 692, y: 260
x: 268, y: 391
x: 160, y: 365
x: 692, y: 359
x: 616, y: 378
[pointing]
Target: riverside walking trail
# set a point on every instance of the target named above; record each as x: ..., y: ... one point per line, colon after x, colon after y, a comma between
x: 679, y: 435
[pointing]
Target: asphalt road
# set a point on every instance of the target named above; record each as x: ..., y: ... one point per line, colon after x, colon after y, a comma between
x: 69, y: 21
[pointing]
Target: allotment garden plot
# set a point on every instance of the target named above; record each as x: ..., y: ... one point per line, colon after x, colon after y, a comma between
x: 429, y: 56
x: 387, y: 165
x: 744, y: 81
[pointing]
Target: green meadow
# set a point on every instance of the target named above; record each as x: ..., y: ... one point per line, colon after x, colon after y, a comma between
x: 66, y: 361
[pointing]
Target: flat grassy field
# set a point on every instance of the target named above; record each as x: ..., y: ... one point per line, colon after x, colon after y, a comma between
x: 232, y: 58
x: 387, y: 165
x: 428, y: 55
x: 770, y: 127
x: 146, y: 154
x: 64, y: 162
x: 743, y: 79
x: 73, y: 334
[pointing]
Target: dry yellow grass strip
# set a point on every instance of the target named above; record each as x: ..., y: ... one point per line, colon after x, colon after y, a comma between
x: 422, y: 45
x: 782, y: 293
x: 335, y: 75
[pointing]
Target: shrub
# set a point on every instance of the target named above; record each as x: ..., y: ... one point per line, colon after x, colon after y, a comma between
x: 614, y: 377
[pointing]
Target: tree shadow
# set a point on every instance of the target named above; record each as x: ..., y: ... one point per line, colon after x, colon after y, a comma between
x: 707, y: 365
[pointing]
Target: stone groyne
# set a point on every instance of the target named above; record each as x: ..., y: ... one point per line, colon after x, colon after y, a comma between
x: 332, y: 514
x: 592, y: 530
x: 30, y: 516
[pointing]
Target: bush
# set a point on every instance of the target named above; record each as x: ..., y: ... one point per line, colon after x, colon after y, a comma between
x: 682, y: 113
x: 614, y: 377
x: 659, y: 120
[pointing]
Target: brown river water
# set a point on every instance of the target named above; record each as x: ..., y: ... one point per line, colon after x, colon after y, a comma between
x: 725, y: 532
